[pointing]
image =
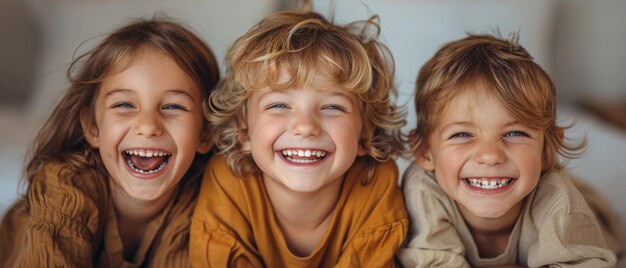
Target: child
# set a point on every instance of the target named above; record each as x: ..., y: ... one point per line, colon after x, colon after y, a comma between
x: 114, y: 172
x: 306, y: 130
x: 489, y: 190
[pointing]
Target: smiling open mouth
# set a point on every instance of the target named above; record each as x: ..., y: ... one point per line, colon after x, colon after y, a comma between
x: 303, y: 156
x: 488, y: 183
x: 146, y: 161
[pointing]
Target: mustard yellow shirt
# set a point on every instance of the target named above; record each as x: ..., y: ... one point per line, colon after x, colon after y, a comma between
x: 71, y: 223
x: 234, y: 225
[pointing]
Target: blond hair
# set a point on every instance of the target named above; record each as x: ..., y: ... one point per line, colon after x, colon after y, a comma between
x: 511, y: 76
x: 301, y: 43
x: 61, y: 138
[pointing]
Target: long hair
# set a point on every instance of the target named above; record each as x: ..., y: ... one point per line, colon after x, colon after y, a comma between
x: 61, y: 138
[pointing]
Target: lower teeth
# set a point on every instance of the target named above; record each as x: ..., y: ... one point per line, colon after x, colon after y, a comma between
x: 302, y: 161
x: 489, y: 186
x: 132, y: 166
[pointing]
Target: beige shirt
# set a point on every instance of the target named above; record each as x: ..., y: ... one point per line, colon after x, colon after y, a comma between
x: 556, y: 228
x: 71, y: 223
x: 234, y: 223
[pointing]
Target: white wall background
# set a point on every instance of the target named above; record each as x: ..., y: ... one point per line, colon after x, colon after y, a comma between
x: 580, y: 43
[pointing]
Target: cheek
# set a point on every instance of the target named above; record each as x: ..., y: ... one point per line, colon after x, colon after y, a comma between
x: 263, y: 133
x: 531, y: 160
x: 188, y: 131
x: 345, y: 131
x: 449, y: 157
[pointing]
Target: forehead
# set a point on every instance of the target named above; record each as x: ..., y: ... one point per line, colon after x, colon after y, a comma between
x: 149, y: 71
x: 473, y: 102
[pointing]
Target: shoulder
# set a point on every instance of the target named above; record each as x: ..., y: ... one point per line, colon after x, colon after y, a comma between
x: 379, y: 202
x: 384, y: 178
x: 374, y: 215
x: 221, y: 219
x: 417, y: 183
x: 65, y: 176
x: 224, y: 196
x: 415, y: 177
x: 61, y: 184
x: 558, y: 213
x: 557, y: 195
x: 219, y: 178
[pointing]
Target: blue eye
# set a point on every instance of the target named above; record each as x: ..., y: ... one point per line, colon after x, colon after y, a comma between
x: 516, y: 133
x: 334, y: 107
x: 278, y: 106
x: 461, y: 135
x: 125, y: 105
x: 174, y: 107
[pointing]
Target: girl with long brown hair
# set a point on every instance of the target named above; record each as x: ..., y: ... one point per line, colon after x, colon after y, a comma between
x: 113, y: 174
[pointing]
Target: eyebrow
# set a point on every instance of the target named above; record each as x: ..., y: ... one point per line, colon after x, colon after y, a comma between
x: 181, y: 92
x: 469, y: 124
x: 340, y: 94
x: 458, y: 123
x: 118, y: 91
x: 131, y: 92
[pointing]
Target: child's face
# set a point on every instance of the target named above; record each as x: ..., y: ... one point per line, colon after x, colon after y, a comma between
x: 148, y: 126
x: 304, y: 139
x: 482, y: 157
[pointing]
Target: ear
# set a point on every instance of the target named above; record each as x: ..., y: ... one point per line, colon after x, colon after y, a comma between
x: 244, y: 139
x: 425, y: 160
x: 89, y: 129
x: 206, y: 143
x: 361, y: 150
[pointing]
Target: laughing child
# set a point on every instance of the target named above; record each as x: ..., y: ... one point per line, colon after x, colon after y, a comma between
x: 306, y: 129
x: 487, y: 189
x: 115, y: 171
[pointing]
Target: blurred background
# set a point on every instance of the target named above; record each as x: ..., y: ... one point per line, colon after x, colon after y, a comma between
x: 579, y: 43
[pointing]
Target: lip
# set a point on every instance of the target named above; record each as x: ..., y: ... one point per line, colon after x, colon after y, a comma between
x: 146, y: 176
x: 476, y: 189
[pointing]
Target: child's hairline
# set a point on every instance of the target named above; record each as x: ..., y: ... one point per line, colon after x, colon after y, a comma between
x: 555, y: 147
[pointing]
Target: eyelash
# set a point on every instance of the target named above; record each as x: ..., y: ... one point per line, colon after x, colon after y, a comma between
x: 334, y: 107
x: 516, y: 133
x: 174, y: 107
x: 460, y: 135
x: 277, y: 105
x: 124, y: 105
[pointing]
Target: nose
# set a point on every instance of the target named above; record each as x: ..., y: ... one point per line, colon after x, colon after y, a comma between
x: 305, y: 124
x: 148, y: 124
x: 489, y: 154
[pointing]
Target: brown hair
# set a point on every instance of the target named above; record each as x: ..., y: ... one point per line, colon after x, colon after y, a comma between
x: 304, y: 44
x: 511, y: 76
x: 61, y: 138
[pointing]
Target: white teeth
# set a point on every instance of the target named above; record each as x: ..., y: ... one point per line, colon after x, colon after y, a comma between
x: 318, y: 154
x: 303, y: 153
x: 147, y: 153
x: 484, y: 183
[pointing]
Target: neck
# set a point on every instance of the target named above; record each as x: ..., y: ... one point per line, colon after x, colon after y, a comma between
x: 133, y: 217
x: 303, y: 217
x: 491, y: 235
x: 132, y: 210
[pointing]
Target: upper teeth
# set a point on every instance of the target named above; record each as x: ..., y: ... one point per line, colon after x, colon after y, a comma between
x: 303, y: 153
x: 487, y: 184
x: 146, y: 153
